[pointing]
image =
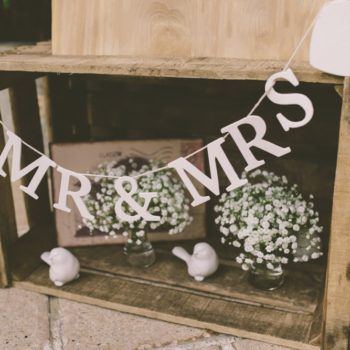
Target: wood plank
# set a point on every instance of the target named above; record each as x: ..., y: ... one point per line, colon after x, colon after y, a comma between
x: 299, y: 294
x: 337, y: 301
x: 248, y: 29
x: 17, y: 193
x: 315, y: 334
x: 39, y: 59
x: 8, y: 229
x: 179, y: 307
x: 25, y: 110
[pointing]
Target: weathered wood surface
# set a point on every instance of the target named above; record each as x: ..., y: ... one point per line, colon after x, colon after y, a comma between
x: 38, y: 58
x: 184, y: 307
x: 248, y: 29
x: 315, y: 337
x: 27, y: 125
x: 8, y: 228
x: 300, y: 293
x: 337, y: 301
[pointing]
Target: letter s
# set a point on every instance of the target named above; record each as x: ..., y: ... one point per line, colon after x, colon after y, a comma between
x: 289, y: 99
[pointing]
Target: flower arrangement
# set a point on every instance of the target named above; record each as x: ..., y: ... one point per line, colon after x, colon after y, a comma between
x: 268, y: 220
x: 171, y: 204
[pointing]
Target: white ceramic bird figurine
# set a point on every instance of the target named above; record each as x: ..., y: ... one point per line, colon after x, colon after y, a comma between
x: 202, y: 263
x: 64, y: 266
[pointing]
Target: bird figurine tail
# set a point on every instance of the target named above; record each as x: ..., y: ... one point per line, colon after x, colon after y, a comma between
x: 46, y: 257
x: 181, y: 253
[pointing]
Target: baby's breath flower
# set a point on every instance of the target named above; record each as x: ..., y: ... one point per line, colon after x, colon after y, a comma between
x: 171, y: 204
x: 270, y: 220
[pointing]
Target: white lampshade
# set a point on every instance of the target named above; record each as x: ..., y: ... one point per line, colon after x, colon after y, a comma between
x: 330, y: 41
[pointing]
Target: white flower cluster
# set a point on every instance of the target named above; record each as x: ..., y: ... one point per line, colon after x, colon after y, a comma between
x: 171, y: 204
x: 268, y: 219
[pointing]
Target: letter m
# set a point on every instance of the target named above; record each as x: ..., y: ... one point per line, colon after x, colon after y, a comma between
x: 215, y: 154
x: 41, y: 165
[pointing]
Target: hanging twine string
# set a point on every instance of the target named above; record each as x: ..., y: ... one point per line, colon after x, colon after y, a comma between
x: 286, y: 66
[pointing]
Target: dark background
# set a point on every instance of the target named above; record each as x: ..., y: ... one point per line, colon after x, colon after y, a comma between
x: 25, y: 20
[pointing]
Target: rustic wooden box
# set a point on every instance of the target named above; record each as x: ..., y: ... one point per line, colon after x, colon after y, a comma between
x: 182, y: 28
x: 115, y: 97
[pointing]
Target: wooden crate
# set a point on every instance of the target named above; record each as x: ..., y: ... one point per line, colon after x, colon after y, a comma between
x: 308, y: 312
x: 182, y: 28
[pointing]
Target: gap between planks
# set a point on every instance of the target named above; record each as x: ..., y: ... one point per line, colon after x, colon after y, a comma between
x: 189, y: 290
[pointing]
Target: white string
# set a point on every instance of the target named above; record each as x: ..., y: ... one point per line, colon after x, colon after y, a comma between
x: 25, y: 143
x: 300, y: 43
x: 262, y: 97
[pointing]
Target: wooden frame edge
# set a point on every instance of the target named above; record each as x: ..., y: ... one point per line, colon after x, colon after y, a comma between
x: 336, y: 330
x: 160, y: 316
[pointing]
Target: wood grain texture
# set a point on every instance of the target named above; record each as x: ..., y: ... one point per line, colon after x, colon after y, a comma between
x: 300, y: 293
x: 38, y: 58
x: 8, y: 229
x: 337, y: 302
x: 247, y: 29
x: 184, y: 307
x: 27, y: 125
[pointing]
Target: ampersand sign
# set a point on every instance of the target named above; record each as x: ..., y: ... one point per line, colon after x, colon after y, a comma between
x: 141, y: 211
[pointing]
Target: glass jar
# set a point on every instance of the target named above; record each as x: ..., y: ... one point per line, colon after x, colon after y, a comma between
x: 139, y: 251
x: 266, y: 279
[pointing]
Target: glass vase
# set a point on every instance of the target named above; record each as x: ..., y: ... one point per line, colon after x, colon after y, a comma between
x: 266, y: 279
x: 139, y: 251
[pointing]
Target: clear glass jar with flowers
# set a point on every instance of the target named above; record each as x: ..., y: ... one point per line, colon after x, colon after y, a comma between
x: 272, y: 223
x: 171, y: 204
